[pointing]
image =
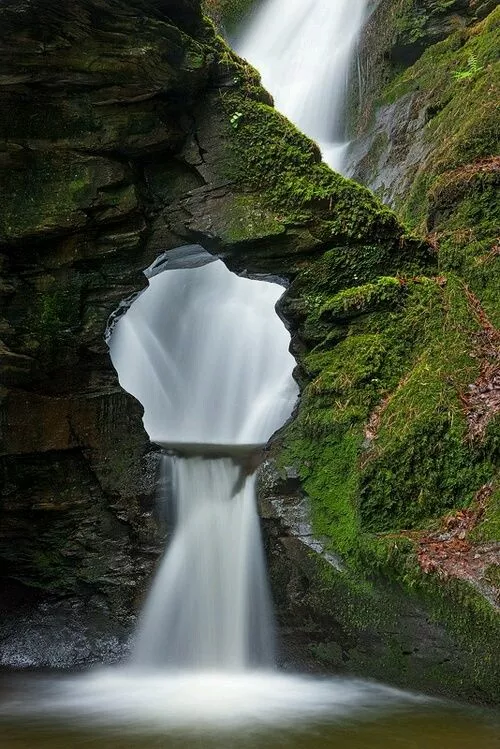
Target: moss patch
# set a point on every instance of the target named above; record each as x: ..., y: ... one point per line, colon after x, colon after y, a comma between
x: 270, y: 155
x: 228, y: 13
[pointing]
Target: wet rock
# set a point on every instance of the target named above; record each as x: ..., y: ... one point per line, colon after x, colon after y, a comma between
x: 120, y: 113
x: 40, y: 632
x: 331, y: 619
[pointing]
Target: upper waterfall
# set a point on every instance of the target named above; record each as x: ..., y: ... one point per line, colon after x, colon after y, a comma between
x: 303, y: 50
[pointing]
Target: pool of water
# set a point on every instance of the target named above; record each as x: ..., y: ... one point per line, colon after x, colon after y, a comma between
x: 119, y: 709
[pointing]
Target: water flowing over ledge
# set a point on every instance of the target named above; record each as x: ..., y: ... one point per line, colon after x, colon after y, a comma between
x: 205, y: 353
x: 303, y: 50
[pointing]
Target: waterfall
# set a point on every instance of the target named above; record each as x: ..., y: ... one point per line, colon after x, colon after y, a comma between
x: 209, y: 605
x: 303, y: 50
x: 205, y: 353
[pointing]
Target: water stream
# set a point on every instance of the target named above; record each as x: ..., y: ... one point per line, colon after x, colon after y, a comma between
x: 303, y: 50
x: 209, y: 605
x: 207, y: 356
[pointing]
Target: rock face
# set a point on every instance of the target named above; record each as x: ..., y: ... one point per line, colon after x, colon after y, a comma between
x: 409, y: 108
x: 333, y: 620
x: 128, y: 129
x: 228, y: 14
x: 78, y: 89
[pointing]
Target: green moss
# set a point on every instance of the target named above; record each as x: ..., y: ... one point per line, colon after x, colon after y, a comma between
x: 492, y: 575
x: 386, y: 291
x: 270, y: 155
x: 469, y: 619
x: 229, y: 13
x: 50, y: 203
x: 347, y: 380
x: 341, y: 267
x: 246, y: 220
x: 467, y: 615
x: 63, y: 191
x: 409, y: 347
x: 462, y: 113
x: 467, y: 214
x: 431, y: 469
x: 489, y: 526
x: 421, y: 462
x: 329, y: 477
x: 54, y: 319
x: 393, y: 622
x: 51, y: 571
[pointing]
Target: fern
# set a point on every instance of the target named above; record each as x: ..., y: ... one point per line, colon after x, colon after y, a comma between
x: 472, y: 69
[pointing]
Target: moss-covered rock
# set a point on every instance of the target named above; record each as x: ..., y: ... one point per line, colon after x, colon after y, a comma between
x: 449, y: 194
x: 119, y: 140
x: 391, y: 398
x: 381, y: 617
x: 228, y: 14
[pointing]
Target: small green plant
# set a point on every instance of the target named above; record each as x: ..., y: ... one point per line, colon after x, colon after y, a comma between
x: 472, y: 69
x: 235, y: 119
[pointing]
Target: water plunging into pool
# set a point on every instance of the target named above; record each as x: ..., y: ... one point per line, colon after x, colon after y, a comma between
x: 205, y: 353
x: 303, y: 50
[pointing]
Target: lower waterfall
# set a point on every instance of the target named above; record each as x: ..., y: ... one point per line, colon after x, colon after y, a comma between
x: 205, y: 353
x: 209, y: 605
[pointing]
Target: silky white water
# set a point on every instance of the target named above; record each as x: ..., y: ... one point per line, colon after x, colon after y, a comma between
x: 205, y: 353
x: 209, y: 605
x: 303, y: 50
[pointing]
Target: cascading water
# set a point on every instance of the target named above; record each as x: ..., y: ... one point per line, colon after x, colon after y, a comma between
x: 303, y: 50
x: 209, y: 605
x: 205, y: 353
x: 207, y: 356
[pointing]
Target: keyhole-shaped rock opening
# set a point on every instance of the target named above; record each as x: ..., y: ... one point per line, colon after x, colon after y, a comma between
x: 205, y: 353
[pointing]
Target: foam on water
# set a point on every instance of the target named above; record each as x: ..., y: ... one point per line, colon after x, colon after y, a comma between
x: 193, y: 701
